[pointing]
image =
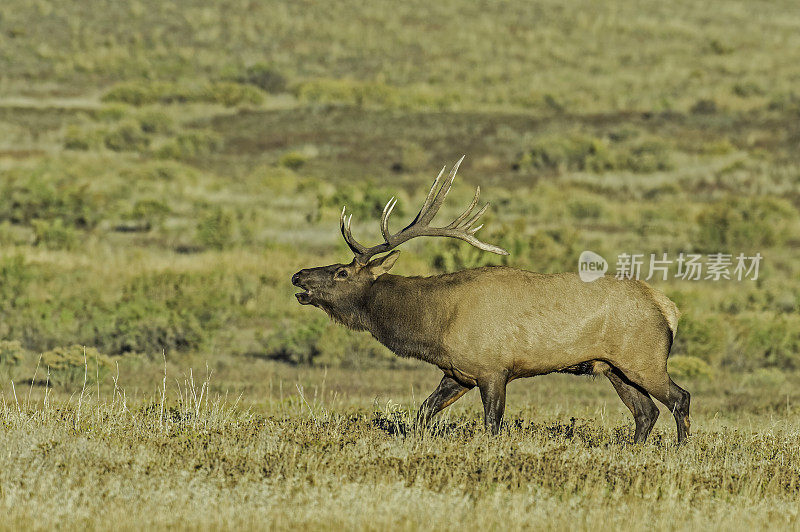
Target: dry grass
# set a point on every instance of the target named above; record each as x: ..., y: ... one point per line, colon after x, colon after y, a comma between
x: 332, y: 449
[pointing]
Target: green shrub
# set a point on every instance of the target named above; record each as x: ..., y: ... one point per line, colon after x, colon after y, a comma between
x: 143, y: 326
x: 764, y: 378
x: 82, y: 139
x: 10, y: 235
x: 787, y: 102
x: 295, y: 345
x: 293, y: 160
x: 704, y: 338
x: 172, y: 311
x: 263, y: 76
x: 739, y: 224
x: 154, y: 121
x: 551, y: 250
x: 68, y: 366
x: 322, y: 342
x: 35, y: 194
x: 233, y: 94
x: 217, y: 229
x: 11, y: 354
x: 189, y: 145
x: 717, y: 147
x: 689, y: 367
x: 111, y: 113
x: 567, y: 153
x: 127, y: 136
x: 585, y: 209
x: 590, y: 154
x: 769, y: 341
x: 134, y: 93
x: 54, y: 234
x: 44, y: 305
x: 646, y: 157
x: 704, y: 107
x: 746, y: 89
x: 76, y: 139
x: 417, y: 97
x: 16, y: 276
x: 150, y: 209
x: 363, y: 202
x: 339, y: 346
x: 147, y: 213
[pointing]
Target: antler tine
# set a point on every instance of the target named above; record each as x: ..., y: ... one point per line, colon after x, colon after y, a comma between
x: 387, y: 211
x: 468, y: 210
x: 466, y: 232
x: 428, y: 215
x: 429, y: 198
x: 483, y: 245
x: 475, y: 216
x: 352, y: 243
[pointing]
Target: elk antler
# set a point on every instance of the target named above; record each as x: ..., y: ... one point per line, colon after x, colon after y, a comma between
x: 458, y: 228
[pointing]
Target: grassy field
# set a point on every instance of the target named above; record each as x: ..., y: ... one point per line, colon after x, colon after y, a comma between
x: 335, y: 448
x: 166, y: 167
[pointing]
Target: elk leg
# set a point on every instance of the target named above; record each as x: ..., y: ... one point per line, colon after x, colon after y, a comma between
x: 644, y: 410
x: 448, y: 391
x: 676, y: 399
x: 493, y: 395
x: 679, y: 406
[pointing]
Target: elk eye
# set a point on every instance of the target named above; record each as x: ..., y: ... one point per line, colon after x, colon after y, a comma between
x: 340, y: 274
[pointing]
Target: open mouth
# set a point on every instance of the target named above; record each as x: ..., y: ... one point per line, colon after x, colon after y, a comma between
x: 303, y: 297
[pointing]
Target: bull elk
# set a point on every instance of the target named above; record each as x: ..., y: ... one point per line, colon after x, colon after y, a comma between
x: 487, y: 326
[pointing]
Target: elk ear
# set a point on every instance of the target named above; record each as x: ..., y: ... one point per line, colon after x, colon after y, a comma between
x: 382, y: 265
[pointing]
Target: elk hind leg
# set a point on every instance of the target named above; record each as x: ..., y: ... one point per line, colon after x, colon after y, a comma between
x: 678, y: 402
x: 674, y: 397
x: 644, y: 410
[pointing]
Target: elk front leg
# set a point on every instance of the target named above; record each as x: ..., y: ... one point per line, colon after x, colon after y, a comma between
x: 448, y: 391
x: 493, y: 395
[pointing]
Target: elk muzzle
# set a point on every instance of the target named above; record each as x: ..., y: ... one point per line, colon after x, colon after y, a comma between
x: 304, y: 297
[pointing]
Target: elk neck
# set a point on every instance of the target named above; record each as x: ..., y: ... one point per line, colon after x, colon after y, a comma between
x: 405, y: 315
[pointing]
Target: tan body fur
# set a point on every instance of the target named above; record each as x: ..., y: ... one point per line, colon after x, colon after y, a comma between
x: 476, y: 323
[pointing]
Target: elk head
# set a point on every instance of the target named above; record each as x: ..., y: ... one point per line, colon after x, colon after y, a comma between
x: 339, y: 289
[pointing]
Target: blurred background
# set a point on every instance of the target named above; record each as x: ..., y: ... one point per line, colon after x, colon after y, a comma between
x: 166, y: 166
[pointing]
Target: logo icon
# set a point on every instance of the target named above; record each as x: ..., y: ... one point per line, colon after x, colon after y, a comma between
x: 591, y: 266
